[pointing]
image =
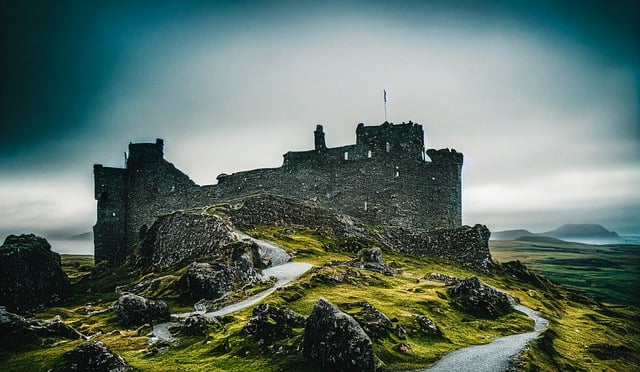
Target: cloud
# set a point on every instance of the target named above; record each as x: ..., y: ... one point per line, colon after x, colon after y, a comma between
x: 544, y: 108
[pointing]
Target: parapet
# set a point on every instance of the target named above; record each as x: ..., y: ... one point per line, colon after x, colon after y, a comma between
x: 445, y: 156
x: 141, y: 154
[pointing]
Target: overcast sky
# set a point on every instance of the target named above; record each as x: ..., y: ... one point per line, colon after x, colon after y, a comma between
x: 542, y: 97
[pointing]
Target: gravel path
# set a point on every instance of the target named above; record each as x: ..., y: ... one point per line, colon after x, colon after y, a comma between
x: 284, y: 272
x: 493, y: 357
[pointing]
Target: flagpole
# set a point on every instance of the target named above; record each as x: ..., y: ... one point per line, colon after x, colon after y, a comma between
x: 385, y: 104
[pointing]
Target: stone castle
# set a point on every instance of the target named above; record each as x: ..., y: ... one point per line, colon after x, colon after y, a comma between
x: 385, y: 179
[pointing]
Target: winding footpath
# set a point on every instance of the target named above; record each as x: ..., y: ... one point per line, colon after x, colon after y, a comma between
x: 284, y: 273
x: 492, y: 357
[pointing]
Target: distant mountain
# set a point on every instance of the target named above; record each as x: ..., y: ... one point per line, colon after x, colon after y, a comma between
x: 86, y: 236
x: 582, y: 231
x: 510, y: 234
x: 540, y: 239
x: 579, y: 233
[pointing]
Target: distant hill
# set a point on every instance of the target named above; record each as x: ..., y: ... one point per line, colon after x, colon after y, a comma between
x: 582, y: 231
x: 579, y: 233
x: 86, y: 236
x: 539, y: 239
x: 510, y: 234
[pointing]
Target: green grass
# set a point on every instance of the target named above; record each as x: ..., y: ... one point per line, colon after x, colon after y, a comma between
x: 577, y: 323
x: 610, y: 273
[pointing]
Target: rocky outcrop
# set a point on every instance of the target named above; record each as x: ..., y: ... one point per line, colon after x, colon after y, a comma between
x: 134, y: 310
x: 269, y: 323
x: 374, y: 322
x: 335, y: 341
x: 481, y: 300
x: 17, y: 331
x: 181, y: 238
x: 268, y: 209
x: 443, y: 278
x: 31, y: 274
x: 518, y: 270
x: 426, y: 326
x: 371, y: 259
x: 206, y: 281
x: 465, y: 244
x: 194, y: 325
x: 92, y: 356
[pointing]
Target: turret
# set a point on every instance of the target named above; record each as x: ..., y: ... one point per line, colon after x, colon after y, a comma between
x: 319, y: 138
x: 143, y: 154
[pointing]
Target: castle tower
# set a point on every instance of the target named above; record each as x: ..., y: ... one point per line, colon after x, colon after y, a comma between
x: 109, y: 230
x: 319, y: 138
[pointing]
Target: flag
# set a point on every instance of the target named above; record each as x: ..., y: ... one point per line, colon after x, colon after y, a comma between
x: 385, y: 95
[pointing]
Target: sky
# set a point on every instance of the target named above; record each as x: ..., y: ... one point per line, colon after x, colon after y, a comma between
x: 542, y: 97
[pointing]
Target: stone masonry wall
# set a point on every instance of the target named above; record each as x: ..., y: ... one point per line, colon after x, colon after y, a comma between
x: 386, y: 178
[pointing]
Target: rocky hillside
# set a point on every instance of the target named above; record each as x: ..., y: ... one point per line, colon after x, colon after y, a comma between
x: 374, y: 298
x: 467, y: 245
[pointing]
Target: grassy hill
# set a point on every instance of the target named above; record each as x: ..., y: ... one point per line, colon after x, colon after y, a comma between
x: 610, y: 273
x: 581, y: 335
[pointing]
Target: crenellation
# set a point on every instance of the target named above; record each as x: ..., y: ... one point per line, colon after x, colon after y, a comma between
x: 383, y: 179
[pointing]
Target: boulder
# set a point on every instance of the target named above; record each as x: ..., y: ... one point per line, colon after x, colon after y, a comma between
x: 443, y: 278
x: 194, y: 325
x: 481, y: 300
x: 207, y: 281
x: 31, y: 274
x: 134, y: 310
x: 374, y: 322
x: 426, y: 326
x: 181, y: 238
x: 335, y: 341
x: 371, y: 259
x: 17, y: 331
x: 372, y: 255
x: 92, y: 356
x: 270, y: 323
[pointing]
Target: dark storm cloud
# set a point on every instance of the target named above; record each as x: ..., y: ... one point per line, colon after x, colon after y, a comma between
x: 542, y: 97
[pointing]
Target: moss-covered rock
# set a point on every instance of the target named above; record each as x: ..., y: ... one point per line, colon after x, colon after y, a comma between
x: 92, y: 356
x: 335, y: 341
x: 134, y: 310
x: 481, y: 300
x: 31, y: 274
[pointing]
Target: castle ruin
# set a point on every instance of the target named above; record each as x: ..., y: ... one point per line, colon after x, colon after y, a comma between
x: 385, y: 179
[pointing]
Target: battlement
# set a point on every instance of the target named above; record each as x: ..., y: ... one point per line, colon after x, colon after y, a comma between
x: 373, y: 143
x: 142, y: 154
x: 445, y: 156
x: 385, y: 178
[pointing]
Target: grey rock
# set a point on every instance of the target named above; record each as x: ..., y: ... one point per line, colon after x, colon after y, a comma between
x: 92, y: 356
x: 31, y: 274
x: 374, y: 322
x: 134, y: 310
x: 207, y: 281
x: 181, y: 238
x: 335, y: 341
x: 17, y: 331
x: 426, y: 326
x: 479, y: 299
x: 194, y: 325
x: 443, y: 278
x: 270, y: 323
x: 372, y: 255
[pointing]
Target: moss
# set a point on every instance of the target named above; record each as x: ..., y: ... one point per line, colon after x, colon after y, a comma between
x: 573, y: 341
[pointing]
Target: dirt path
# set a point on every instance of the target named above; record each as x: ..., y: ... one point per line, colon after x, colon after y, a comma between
x: 493, y: 357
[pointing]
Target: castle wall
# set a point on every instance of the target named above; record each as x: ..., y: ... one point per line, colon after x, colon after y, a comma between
x: 383, y: 179
x: 108, y: 233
